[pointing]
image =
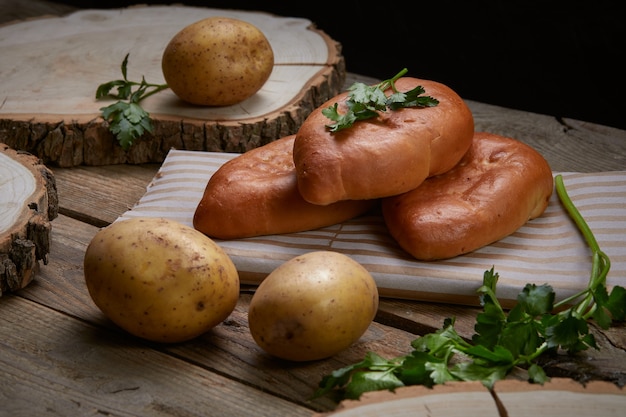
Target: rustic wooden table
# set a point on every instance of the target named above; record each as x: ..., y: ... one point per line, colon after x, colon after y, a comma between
x: 60, y: 356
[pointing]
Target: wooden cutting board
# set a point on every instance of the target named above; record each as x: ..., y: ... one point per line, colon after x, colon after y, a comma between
x: 560, y: 397
x: 51, y: 68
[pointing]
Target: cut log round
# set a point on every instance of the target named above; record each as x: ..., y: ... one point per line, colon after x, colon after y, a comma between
x: 28, y: 203
x: 559, y: 397
x: 51, y: 68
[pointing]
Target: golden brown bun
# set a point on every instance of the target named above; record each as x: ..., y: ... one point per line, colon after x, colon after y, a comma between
x: 256, y: 194
x: 496, y: 188
x: 384, y: 156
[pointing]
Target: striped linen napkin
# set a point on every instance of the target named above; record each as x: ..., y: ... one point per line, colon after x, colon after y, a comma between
x: 545, y: 250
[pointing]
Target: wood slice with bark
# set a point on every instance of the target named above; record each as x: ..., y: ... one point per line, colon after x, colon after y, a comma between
x: 28, y: 204
x: 51, y: 68
x: 559, y: 397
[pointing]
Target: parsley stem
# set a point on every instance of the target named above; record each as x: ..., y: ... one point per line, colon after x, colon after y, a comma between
x: 575, y: 214
x: 528, y: 359
x: 157, y: 88
x: 392, y: 81
x: 600, y: 261
x: 127, y: 120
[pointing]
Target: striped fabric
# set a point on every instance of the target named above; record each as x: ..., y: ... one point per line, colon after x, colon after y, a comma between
x: 545, y: 250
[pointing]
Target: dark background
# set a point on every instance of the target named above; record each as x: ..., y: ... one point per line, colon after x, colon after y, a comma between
x: 564, y: 60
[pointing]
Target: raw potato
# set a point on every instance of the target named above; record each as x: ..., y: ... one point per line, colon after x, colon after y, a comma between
x: 313, y: 306
x: 218, y: 61
x: 159, y: 279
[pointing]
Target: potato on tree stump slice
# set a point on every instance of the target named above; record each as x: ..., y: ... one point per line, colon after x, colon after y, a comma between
x: 28, y: 204
x: 51, y: 67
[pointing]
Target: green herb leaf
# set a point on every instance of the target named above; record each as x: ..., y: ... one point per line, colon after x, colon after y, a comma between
x: 498, y: 355
x: 104, y: 90
x: 346, y: 119
x: 567, y: 333
x: 610, y: 306
x: 502, y: 341
x: 414, y: 370
x: 364, y: 381
x: 366, y: 101
x: 380, y: 368
x: 127, y: 120
x: 488, y: 374
x: 536, y: 299
x: 536, y: 374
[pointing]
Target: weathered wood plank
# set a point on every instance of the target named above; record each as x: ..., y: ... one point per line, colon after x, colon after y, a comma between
x: 61, y: 356
x: 98, y: 195
x: 567, y: 145
x: 228, y: 349
x: 423, y: 317
x: 53, y: 364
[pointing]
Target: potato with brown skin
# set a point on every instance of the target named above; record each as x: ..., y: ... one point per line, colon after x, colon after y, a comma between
x: 159, y: 279
x: 218, y: 61
x: 313, y: 306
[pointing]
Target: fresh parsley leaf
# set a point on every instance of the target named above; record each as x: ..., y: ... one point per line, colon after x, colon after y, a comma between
x: 536, y: 299
x: 365, y: 101
x: 498, y: 355
x: 123, y: 90
x: 414, y: 371
x: 381, y: 376
x: 363, y: 381
x: 372, y: 97
x: 610, y: 306
x: 567, y: 333
x: 537, y: 374
x: 412, y: 98
x: 127, y: 120
x: 489, y: 325
x: 342, y: 119
x: 535, y: 325
x: 474, y: 371
x: 438, y: 371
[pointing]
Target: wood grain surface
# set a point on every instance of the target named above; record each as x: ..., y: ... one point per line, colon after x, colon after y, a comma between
x: 61, y: 356
x: 28, y: 203
x: 52, y: 67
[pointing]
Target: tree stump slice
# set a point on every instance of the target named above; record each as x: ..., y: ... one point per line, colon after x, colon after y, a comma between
x: 28, y: 203
x: 51, y: 68
x: 559, y: 397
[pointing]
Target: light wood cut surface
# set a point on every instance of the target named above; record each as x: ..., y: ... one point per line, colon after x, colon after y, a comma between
x: 28, y: 204
x: 52, y: 66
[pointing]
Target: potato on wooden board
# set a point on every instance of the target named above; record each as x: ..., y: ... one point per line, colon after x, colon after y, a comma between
x: 159, y: 279
x: 313, y: 306
x: 217, y: 61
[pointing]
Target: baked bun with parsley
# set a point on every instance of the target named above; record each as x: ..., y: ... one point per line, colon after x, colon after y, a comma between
x: 256, y: 194
x: 386, y: 155
x: 496, y: 188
